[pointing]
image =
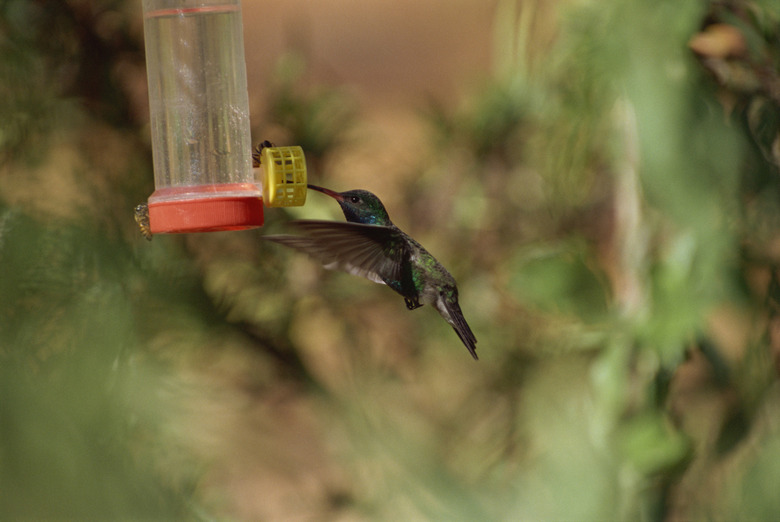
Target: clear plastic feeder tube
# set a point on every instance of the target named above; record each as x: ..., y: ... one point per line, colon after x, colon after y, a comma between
x: 199, y: 111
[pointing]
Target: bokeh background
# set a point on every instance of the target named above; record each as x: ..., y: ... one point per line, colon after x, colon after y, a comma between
x: 602, y: 179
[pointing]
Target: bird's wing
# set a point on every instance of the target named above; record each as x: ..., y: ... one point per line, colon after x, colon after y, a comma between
x: 370, y: 251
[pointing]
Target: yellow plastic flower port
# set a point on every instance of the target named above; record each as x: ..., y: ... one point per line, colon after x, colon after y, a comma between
x: 284, y: 183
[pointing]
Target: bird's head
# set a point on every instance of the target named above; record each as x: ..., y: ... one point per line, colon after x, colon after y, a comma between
x: 359, y: 206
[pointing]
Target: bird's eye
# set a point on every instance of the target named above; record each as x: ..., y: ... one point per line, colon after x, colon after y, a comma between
x: 354, y: 199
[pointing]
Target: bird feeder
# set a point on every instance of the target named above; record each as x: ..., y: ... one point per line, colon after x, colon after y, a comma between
x: 199, y: 117
x: 284, y: 183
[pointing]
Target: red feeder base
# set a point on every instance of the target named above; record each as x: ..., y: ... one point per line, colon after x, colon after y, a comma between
x: 206, y: 208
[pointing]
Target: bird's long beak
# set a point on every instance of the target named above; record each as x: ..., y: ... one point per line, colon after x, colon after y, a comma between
x: 332, y: 193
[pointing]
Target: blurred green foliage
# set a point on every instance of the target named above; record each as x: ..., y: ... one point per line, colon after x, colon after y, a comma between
x: 300, y: 111
x: 608, y: 200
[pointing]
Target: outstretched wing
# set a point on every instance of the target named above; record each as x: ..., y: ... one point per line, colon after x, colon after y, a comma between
x: 370, y: 251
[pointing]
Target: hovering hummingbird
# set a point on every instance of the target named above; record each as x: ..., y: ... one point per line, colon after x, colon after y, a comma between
x: 371, y: 246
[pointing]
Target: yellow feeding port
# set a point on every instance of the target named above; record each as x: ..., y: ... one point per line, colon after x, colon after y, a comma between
x: 284, y: 183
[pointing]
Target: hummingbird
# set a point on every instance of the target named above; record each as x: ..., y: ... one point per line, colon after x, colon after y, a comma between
x: 371, y: 246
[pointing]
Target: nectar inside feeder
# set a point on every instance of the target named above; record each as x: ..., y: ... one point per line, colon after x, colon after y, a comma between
x: 199, y: 118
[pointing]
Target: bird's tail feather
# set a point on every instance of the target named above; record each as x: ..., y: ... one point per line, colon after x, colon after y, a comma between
x: 462, y: 328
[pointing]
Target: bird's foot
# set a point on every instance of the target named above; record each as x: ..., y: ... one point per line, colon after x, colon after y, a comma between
x: 411, y: 304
